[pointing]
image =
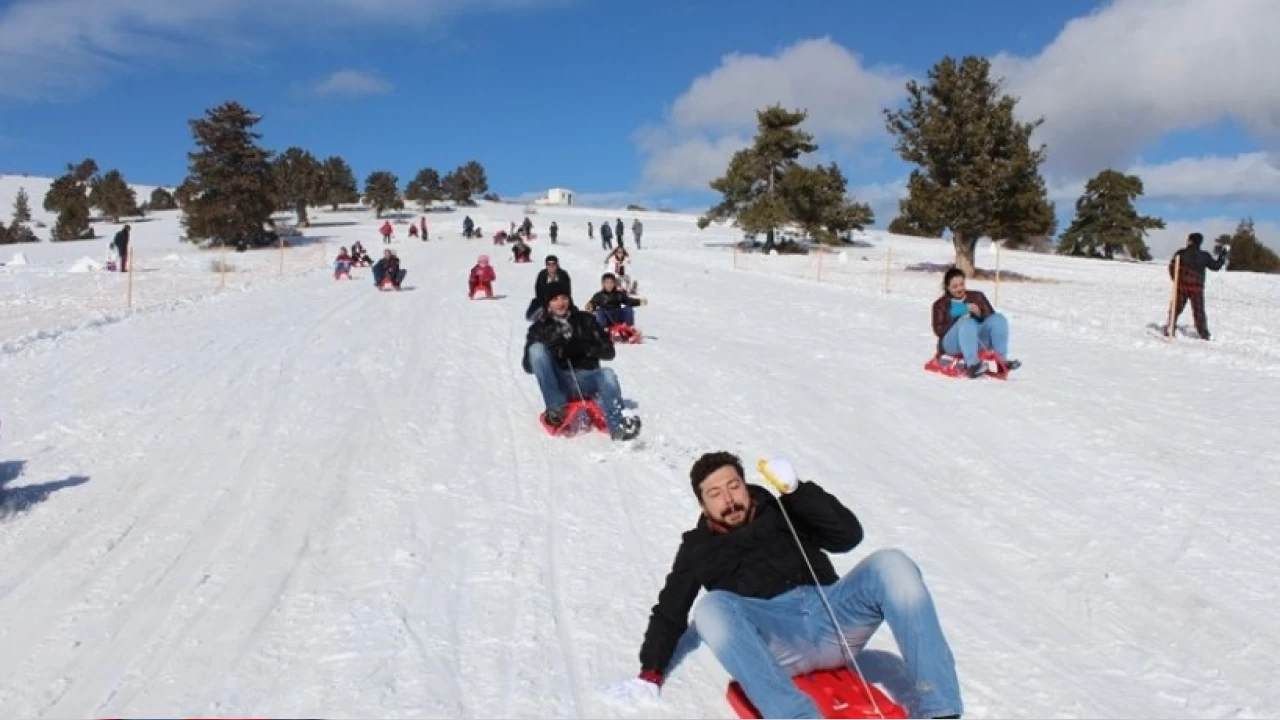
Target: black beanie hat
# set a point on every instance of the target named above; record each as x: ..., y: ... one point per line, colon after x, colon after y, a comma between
x: 556, y: 289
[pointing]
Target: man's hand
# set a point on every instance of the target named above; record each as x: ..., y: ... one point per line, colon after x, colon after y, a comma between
x: 779, y: 473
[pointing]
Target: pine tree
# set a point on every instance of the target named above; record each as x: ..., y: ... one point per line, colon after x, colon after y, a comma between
x: 162, y: 199
x: 425, y: 188
x: 817, y: 200
x: 299, y: 181
x: 228, y: 195
x: 1106, y: 221
x: 21, y: 208
x: 1248, y: 254
x: 338, y: 183
x: 113, y: 196
x: 976, y: 173
x: 382, y: 191
x: 67, y: 196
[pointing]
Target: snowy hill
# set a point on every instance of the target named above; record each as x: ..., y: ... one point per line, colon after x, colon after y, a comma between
x: 301, y: 497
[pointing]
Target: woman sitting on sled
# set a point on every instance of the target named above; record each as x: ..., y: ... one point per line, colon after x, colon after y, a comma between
x: 482, y: 277
x: 614, y: 308
x: 966, y: 324
x: 342, y: 265
x: 521, y: 252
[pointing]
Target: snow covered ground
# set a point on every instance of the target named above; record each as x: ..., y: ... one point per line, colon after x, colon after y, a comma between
x: 300, y: 497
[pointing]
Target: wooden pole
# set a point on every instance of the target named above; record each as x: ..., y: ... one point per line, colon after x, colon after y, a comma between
x: 222, y: 263
x: 128, y: 293
x: 820, y: 254
x: 1173, y: 299
x: 281, y: 254
x: 888, y: 258
x: 997, y: 275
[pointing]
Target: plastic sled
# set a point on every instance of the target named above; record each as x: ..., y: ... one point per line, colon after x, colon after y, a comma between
x: 339, y: 274
x: 523, y: 260
x: 387, y: 284
x: 953, y: 366
x: 624, y: 333
x: 838, y: 693
x: 576, y: 412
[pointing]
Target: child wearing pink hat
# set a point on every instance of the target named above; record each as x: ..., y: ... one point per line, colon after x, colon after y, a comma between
x: 482, y: 278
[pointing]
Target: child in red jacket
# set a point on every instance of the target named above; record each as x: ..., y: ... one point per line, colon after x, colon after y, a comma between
x: 482, y: 277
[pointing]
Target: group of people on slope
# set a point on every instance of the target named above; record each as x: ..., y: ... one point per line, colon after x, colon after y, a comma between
x: 565, y: 345
x: 386, y: 271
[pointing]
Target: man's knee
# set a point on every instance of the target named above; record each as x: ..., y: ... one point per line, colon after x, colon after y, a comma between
x: 713, y: 616
x: 539, y: 353
x: 607, y: 377
x: 899, y: 575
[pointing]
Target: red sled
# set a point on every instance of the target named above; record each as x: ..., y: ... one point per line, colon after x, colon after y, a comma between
x: 624, y: 333
x: 953, y: 366
x: 339, y: 274
x: 575, y: 412
x: 838, y: 693
x: 523, y: 260
x: 473, y: 288
x: 387, y: 284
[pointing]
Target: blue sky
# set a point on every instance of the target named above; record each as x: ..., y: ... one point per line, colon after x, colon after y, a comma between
x: 600, y: 95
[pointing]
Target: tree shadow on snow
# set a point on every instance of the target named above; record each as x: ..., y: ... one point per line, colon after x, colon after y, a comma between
x: 332, y: 223
x: 14, y: 501
x: 978, y: 273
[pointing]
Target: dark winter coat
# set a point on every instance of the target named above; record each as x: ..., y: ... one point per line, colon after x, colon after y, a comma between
x: 1194, y: 262
x: 757, y: 560
x: 606, y: 232
x: 540, y: 285
x: 942, y: 320
x: 586, y: 346
x: 121, y: 241
x: 613, y: 299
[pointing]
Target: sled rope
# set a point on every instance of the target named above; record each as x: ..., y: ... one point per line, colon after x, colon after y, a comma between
x: 763, y: 467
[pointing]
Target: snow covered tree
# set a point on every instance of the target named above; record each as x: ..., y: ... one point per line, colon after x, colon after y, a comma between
x: 425, y: 188
x: 1106, y: 221
x: 113, y: 196
x: 976, y: 173
x: 299, y: 181
x: 338, y: 183
x: 382, y: 191
x: 228, y: 195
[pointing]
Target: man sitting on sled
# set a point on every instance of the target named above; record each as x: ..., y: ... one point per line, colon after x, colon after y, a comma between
x: 613, y: 306
x: 387, y: 270
x: 966, y: 324
x: 563, y: 349
x: 521, y: 252
x: 763, y: 617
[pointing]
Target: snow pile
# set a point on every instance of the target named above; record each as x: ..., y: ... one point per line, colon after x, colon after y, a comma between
x: 85, y: 264
x: 19, y: 258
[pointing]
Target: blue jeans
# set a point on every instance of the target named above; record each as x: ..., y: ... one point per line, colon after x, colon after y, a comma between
x: 558, y: 384
x: 967, y: 336
x: 607, y: 317
x: 764, y: 643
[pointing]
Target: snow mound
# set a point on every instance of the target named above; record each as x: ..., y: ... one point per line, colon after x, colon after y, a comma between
x: 85, y: 264
x: 19, y: 258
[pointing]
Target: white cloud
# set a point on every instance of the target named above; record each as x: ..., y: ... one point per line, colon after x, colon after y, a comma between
x: 715, y: 116
x: 1239, y: 179
x: 66, y: 49
x: 1116, y: 80
x: 1164, y: 242
x: 352, y: 83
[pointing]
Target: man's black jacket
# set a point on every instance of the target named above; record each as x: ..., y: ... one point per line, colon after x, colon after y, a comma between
x: 562, y: 279
x: 757, y: 560
x: 586, y: 346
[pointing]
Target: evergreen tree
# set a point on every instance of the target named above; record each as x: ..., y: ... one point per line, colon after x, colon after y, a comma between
x: 113, y: 196
x: 425, y: 188
x: 299, y: 181
x: 1106, y: 221
x: 382, y: 191
x: 976, y: 173
x: 465, y: 182
x: 338, y: 183
x: 765, y: 187
x: 162, y: 199
x: 21, y: 208
x: 1248, y: 254
x: 67, y: 196
x: 229, y: 193
x: 905, y: 225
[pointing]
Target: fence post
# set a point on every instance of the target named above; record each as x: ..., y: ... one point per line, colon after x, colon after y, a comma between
x: 888, y: 258
x: 129, y: 263
x: 1173, y: 300
x: 998, y: 246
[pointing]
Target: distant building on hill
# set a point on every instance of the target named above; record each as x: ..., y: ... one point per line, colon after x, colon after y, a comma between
x: 556, y: 196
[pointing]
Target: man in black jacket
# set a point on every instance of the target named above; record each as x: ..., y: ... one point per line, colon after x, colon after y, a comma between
x: 563, y: 349
x: 1192, y: 260
x: 551, y: 274
x: 763, y: 618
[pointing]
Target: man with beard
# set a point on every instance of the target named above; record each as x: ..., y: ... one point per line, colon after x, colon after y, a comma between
x: 763, y: 618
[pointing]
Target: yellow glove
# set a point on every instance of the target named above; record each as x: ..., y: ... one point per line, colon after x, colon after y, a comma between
x: 779, y: 473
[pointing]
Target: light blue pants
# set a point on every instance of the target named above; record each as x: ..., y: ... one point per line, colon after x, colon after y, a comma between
x: 764, y: 643
x: 558, y: 385
x: 967, y: 336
